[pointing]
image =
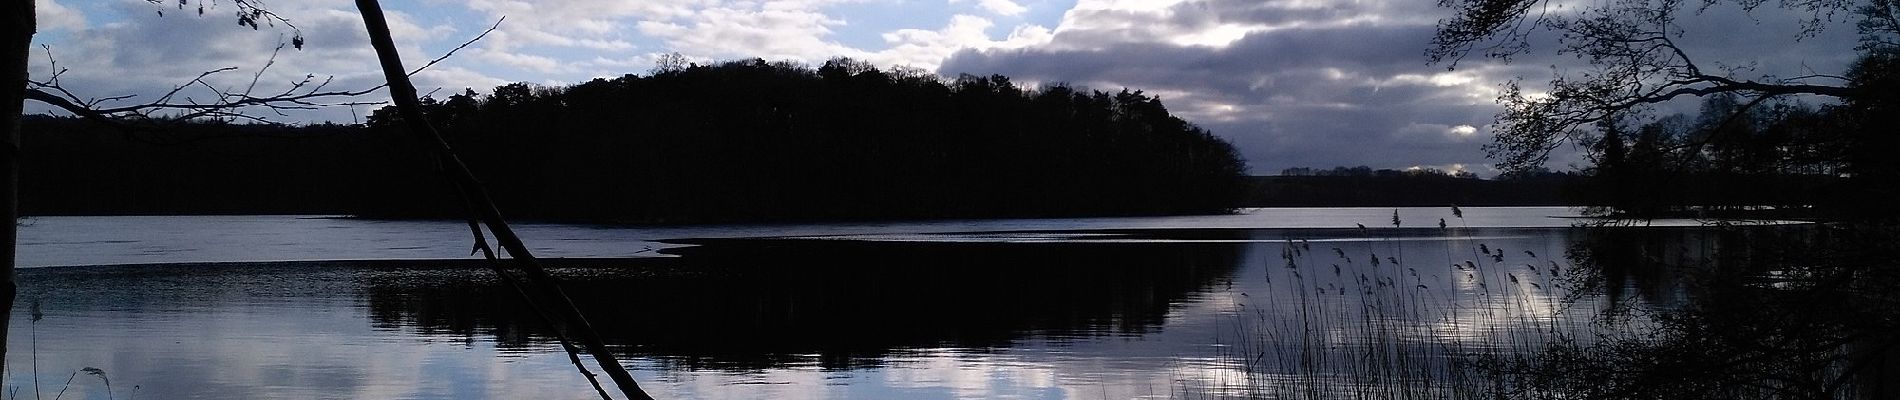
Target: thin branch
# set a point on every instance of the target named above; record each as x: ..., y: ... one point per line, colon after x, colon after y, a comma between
x: 76, y: 109
x: 306, y: 94
x: 267, y: 64
x: 1725, y: 85
x: 1813, y: 76
x: 451, y: 52
x: 142, y: 122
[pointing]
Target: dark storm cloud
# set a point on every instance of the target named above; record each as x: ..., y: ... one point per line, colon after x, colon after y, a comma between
x: 1349, y: 94
x: 1292, y: 82
x: 1346, y: 83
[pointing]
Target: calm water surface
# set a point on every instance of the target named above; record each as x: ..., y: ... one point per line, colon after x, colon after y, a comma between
x: 244, y: 306
x: 68, y: 241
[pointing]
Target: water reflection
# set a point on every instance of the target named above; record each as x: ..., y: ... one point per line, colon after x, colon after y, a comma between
x: 230, y: 331
x: 760, y: 304
x: 1042, y: 314
x: 1764, y: 312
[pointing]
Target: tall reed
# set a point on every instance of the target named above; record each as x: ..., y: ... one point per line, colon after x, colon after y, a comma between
x: 1350, y: 322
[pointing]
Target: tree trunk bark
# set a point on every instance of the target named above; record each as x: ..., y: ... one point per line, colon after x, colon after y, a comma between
x: 16, y: 39
x: 403, y: 93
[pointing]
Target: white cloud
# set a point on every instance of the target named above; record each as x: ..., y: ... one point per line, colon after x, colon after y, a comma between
x: 1442, y: 79
x: 1291, y: 83
x: 1005, y: 8
x: 926, y: 49
x: 1125, y: 5
x: 1217, y: 36
x: 54, y: 17
x: 771, y: 31
x: 555, y: 36
x: 530, y: 62
x: 1002, y: 7
x: 804, y: 32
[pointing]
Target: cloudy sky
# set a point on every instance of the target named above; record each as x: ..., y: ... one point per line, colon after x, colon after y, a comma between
x: 1291, y: 82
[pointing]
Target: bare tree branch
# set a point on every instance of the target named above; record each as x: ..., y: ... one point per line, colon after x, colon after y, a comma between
x: 308, y: 93
x: 155, y: 121
x: 451, y: 52
x: 1633, y: 63
x: 249, y: 13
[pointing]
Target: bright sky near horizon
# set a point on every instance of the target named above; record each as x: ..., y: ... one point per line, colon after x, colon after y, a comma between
x: 1291, y: 83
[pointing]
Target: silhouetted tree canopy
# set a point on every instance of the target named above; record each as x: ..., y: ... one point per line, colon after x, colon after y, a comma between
x: 737, y: 141
x: 1631, y: 61
x: 1734, y: 154
x: 81, y: 167
x: 1745, y: 131
x: 752, y: 140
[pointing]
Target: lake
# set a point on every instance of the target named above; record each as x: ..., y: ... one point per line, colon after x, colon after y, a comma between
x: 1263, y: 301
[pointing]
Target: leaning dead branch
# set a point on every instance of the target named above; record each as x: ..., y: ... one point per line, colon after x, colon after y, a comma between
x: 482, y: 209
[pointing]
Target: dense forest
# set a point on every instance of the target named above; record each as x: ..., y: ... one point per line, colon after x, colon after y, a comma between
x: 1734, y: 155
x: 77, y: 167
x: 737, y: 141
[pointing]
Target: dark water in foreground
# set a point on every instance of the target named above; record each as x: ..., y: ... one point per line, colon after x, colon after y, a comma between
x: 1106, y: 313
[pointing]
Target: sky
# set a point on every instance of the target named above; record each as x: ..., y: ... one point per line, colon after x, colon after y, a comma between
x: 1291, y: 83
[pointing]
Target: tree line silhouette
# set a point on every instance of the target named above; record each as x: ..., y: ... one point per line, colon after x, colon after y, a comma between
x: 1732, y: 156
x: 1363, y: 186
x: 735, y: 141
x: 79, y: 167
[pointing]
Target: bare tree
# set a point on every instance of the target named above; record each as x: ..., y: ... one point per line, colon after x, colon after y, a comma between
x: 1633, y: 62
x: 131, y: 113
x: 230, y: 103
x: 17, y: 27
x: 16, y: 38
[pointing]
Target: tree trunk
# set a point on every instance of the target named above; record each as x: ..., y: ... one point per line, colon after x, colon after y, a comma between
x: 16, y: 33
x: 403, y: 94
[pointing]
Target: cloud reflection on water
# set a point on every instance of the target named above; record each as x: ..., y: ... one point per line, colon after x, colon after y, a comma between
x: 1148, y: 313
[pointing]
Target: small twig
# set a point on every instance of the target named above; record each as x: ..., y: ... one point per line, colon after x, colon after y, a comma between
x: 451, y: 52
x: 266, y: 67
x: 69, y: 384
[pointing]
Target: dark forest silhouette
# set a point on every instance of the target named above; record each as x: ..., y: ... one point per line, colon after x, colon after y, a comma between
x: 737, y: 141
x: 1363, y: 186
x: 79, y: 167
x: 751, y: 140
x: 1731, y: 155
